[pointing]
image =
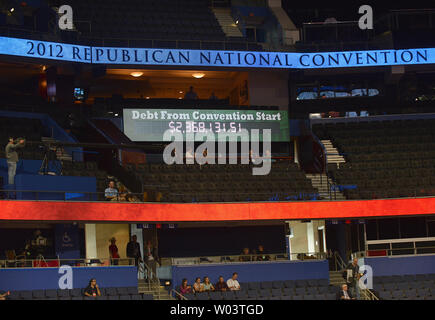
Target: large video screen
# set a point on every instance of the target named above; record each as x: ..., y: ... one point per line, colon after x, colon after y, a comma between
x: 151, y: 124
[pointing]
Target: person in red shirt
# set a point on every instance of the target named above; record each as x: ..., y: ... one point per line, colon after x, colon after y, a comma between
x: 113, y: 251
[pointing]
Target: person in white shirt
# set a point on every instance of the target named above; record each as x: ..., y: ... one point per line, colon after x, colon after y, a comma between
x: 232, y: 283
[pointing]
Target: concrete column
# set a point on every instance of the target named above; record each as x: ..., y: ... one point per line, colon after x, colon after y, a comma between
x: 91, y: 241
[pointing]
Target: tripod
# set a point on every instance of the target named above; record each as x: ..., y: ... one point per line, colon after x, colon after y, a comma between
x: 49, y: 155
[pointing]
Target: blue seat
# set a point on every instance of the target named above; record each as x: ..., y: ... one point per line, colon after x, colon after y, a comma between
x: 298, y: 297
x: 290, y: 284
x: 275, y: 298
x: 276, y: 292
x: 76, y: 292
x: 397, y: 294
x: 312, y: 290
x: 122, y: 291
x: 215, y: 295
x: 89, y: 298
x: 421, y: 277
x: 322, y: 290
x: 113, y: 297
x: 288, y: 291
x: 77, y: 298
x: 228, y: 295
x: 330, y: 296
x: 111, y: 292
x: 408, y: 277
x: 51, y: 293
x: 390, y: 286
x: 286, y: 297
x: 322, y: 282
x: 253, y: 285
x: 38, y: 294
x: 309, y: 297
x: 125, y: 297
x: 136, y: 297
x: 403, y: 286
x: 26, y: 295
x: 202, y: 296
x: 278, y: 284
x: 102, y: 298
x: 188, y: 296
x: 252, y: 294
x: 266, y: 285
x: 423, y: 292
x: 312, y: 282
x: 430, y: 276
x: 63, y: 293
x: 147, y: 297
x: 15, y: 295
x: 264, y: 293
x: 301, y: 283
x: 64, y: 298
x: 299, y: 290
x: 410, y: 294
x: 132, y: 290
x: 241, y: 295
x: 385, y: 295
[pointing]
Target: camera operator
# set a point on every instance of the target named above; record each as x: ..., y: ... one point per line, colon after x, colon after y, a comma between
x: 12, y: 157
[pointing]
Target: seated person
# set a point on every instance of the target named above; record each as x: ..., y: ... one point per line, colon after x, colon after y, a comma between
x: 111, y: 193
x: 344, y: 294
x: 92, y: 289
x: 221, y: 285
x: 260, y: 254
x: 232, y: 283
x: 197, y: 286
x: 185, y: 288
x: 207, y: 285
x: 4, y: 295
x: 245, y: 256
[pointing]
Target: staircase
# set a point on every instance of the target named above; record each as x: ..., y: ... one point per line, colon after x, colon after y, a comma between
x: 158, y: 292
x: 320, y: 182
x: 336, y: 278
x: 332, y: 154
x: 229, y: 27
x: 61, y: 154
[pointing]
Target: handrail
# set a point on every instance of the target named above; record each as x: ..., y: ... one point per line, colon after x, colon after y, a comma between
x: 178, y: 294
x: 369, y: 295
x: 339, y: 261
x: 154, y: 282
x: 41, y: 262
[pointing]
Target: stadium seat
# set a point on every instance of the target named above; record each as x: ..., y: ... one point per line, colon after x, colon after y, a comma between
x: 228, y: 295
x: 202, y: 296
x: 215, y: 295
x: 26, y: 295
x: 125, y: 297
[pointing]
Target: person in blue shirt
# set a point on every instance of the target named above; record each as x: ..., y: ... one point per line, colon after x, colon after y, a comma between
x: 111, y: 193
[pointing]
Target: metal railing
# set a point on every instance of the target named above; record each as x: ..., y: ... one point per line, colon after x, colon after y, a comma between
x: 151, y: 279
x: 249, y: 258
x: 41, y: 262
x: 339, y: 262
x: 175, y: 294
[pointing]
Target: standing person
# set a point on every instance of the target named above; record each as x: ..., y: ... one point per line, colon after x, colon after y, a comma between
x: 113, y: 251
x: 261, y: 256
x: 245, y: 255
x: 232, y: 283
x: 344, y: 294
x: 12, y: 157
x: 133, y: 250
x: 353, y: 276
x: 191, y: 94
x: 92, y: 290
x: 151, y: 258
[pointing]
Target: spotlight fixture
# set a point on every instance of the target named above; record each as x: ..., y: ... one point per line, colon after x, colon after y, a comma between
x: 136, y: 74
x: 198, y: 75
x: 180, y: 92
x: 12, y: 10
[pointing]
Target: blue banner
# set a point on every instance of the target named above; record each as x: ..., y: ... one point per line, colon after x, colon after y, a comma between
x: 212, y: 58
x: 67, y: 241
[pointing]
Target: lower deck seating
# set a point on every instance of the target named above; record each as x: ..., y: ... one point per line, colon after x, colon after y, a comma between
x: 120, y: 293
x: 225, y: 183
x: 316, y: 289
x: 406, y: 287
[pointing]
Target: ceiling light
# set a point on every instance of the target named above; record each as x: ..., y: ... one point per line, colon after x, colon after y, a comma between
x: 136, y: 74
x: 237, y: 21
x: 180, y: 98
x: 12, y: 10
x: 147, y: 97
x: 181, y: 92
x: 198, y: 75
